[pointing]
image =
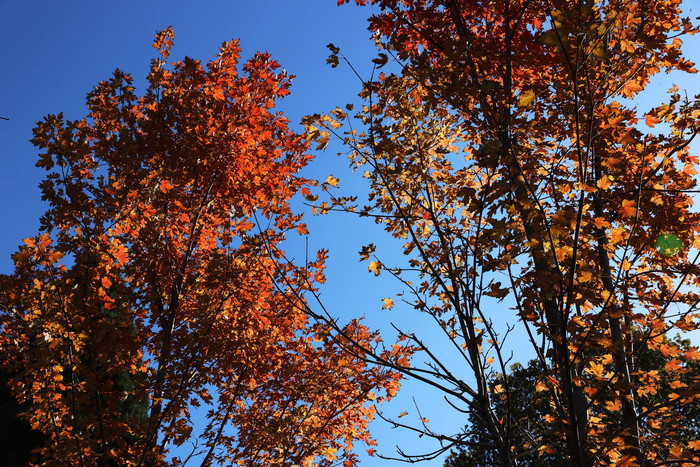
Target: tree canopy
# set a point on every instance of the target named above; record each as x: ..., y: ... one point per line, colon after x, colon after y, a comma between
x: 505, y: 148
x: 156, y: 280
x: 503, y: 145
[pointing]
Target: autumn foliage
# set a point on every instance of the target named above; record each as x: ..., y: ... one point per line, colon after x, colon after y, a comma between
x: 155, y: 308
x: 505, y: 149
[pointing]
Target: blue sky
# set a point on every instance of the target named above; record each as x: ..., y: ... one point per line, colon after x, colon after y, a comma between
x: 55, y: 52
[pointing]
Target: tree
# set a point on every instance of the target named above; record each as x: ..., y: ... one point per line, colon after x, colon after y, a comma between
x: 17, y: 439
x: 21, y: 439
x: 507, y: 147
x: 529, y: 407
x: 156, y: 281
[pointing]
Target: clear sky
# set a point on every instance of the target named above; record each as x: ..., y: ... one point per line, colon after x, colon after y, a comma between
x: 54, y: 52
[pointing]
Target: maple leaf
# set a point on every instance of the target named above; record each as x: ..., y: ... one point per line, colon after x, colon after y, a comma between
x: 165, y: 186
x: 381, y: 60
x: 367, y: 251
x: 375, y: 267
x: 322, y: 141
x: 120, y: 252
x: 332, y: 181
x: 628, y: 208
x: 496, y: 291
x: 613, y: 406
x: 630, y: 88
x: 618, y: 235
x: 600, y: 223
x: 604, y: 183
x: 651, y: 120
x: 527, y: 99
x: 219, y: 94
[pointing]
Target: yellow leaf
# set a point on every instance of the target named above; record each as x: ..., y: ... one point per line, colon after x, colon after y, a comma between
x: 403, y: 414
x: 375, y: 267
x: 322, y: 141
x: 527, y: 99
x: 600, y: 223
x: 332, y: 181
x: 613, y: 406
x: 578, y: 321
x: 677, y: 384
x: 617, y: 235
x: 631, y: 88
x: 603, y: 183
x: 596, y: 369
x: 628, y: 46
x: 388, y: 303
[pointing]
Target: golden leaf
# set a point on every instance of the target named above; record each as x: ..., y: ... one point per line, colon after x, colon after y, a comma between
x: 332, y: 181
x: 527, y: 99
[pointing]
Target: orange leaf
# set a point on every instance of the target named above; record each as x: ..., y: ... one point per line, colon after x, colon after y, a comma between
x: 603, y: 183
x: 651, y: 120
x: 165, y: 186
x: 628, y: 208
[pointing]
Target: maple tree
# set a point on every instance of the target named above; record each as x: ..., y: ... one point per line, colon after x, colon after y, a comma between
x: 156, y: 307
x: 503, y: 144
